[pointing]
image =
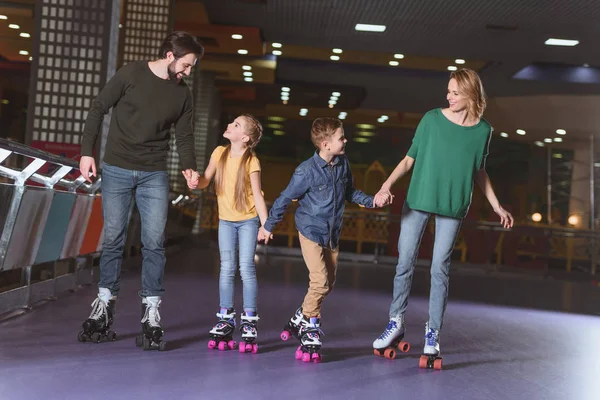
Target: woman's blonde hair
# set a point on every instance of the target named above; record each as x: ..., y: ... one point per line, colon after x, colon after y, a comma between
x: 254, y: 131
x: 470, y: 86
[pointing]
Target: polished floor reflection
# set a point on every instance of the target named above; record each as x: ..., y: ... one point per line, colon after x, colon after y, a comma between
x: 505, y: 337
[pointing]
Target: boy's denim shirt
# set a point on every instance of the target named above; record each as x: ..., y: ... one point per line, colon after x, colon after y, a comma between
x: 322, y: 190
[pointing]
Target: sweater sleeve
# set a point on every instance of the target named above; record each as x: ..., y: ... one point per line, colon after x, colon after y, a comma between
x: 184, y: 135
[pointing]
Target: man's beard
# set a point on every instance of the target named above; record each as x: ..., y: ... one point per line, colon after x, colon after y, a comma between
x: 171, y: 71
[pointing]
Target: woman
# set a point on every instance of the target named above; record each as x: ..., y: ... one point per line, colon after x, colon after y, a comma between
x: 448, y: 153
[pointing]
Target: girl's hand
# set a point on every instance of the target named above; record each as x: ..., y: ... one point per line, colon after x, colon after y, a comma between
x: 264, y: 235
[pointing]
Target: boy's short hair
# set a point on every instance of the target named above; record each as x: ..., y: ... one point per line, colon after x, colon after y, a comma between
x: 323, y: 128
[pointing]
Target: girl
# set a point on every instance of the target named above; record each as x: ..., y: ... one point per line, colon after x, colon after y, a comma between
x: 239, y: 197
x: 448, y: 153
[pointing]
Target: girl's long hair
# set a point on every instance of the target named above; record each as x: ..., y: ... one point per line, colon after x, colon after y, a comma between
x: 254, y: 131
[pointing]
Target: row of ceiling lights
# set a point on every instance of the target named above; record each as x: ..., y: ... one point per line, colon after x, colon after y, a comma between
x: 548, y: 42
x: 522, y: 132
x: 247, y: 72
x: 21, y: 34
x: 336, y: 54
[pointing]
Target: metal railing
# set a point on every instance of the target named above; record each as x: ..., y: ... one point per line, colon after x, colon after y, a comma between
x: 47, y: 213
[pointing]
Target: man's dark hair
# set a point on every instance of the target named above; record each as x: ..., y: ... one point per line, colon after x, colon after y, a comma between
x: 180, y: 43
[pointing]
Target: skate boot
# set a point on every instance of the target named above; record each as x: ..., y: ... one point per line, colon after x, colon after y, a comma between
x: 221, y: 333
x: 391, y: 339
x: 97, y: 327
x: 310, y: 340
x: 249, y: 333
x: 152, y: 333
x: 431, y: 351
x: 293, y: 326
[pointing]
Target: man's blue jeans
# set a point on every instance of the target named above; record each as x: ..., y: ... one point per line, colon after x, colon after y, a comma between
x: 151, y: 191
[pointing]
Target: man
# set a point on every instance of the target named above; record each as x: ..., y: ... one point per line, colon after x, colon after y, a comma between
x: 147, y: 98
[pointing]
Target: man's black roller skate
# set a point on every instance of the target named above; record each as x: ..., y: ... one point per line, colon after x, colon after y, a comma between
x: 152, y: 333
x: 97, y: 327
x: 310, y: 341
x: 221, y: 334
x: 249, y: 333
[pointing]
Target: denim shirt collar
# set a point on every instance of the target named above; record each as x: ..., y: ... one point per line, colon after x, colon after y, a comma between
x: 322, y: 163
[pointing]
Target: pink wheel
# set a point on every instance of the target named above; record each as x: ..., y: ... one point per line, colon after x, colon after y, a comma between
x: 242, y: 347
x: 212, y: 344
x: 254, y: 348
x: 306, y: 357
x: 316, y: 357
x: 232, y: 344
x: 285, y: 335
x: 222, y: 346
x: 299, y: 353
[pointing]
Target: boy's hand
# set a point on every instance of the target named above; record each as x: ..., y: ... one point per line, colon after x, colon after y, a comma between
x: 264, y: 235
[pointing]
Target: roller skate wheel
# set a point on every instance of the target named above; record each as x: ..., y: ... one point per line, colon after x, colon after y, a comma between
x: 96, y: 337
x: 306, y: 357
x: 222, y: 346
x: 212, y: 344
x: 423, y: 361
x: 316, y: 357
x: 377, y: 352
x: 285, y: 335
x: 437, y: 364
x: 232, y: 344
x: 254, y: 348
x: 389, y: 354
x: 404, y: 347
x: 139, y: 340
x: 162, y: 346
x: 111, y: 336
x: 81, y: 336
x: 298, y: 354
x: 242, y: 347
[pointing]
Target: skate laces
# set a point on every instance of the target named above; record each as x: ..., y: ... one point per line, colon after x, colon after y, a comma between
x: 152, y: 315
x: 99, y: 308
x: 431, y: 337
x: 308, y: 329
x: 248, y: 324
x: 391, y: 326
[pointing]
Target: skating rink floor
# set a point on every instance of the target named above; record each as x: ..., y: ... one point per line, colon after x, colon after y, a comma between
x: 505, y: 337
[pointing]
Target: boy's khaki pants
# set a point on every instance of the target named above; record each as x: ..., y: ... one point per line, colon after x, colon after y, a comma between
x: 322, y: 265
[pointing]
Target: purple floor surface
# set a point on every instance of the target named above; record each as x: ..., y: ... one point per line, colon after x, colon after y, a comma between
x: 505, y: 337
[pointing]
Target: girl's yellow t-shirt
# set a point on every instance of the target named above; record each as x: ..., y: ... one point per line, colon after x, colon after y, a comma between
x: 225, y: 201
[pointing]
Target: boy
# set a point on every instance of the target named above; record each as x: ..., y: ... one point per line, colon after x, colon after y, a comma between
x: 322, y: 184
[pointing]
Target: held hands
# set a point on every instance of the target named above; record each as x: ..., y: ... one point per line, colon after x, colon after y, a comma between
x: 192, y: 177
x: 264, y: 235
x: 506, y: 218
x: 383, y: 198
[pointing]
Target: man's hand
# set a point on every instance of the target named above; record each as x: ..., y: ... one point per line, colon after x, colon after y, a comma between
x: 87, y: 164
